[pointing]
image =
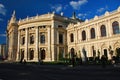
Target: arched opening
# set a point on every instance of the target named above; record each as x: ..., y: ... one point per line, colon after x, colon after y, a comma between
x: 94, y: 52
x: 22, y: 54
x: 43, y: 54
x: 71, y: 37
x: 23, y: 40
x: 83, y: 35
x: 61, y: 38
x: 115, y: 26
x: 31, y: 54
x: 118, y: 52
x: 92, y: 32
x: 103, y: 30
x: 72, y: 51
x: 42, y: 38
x: 31, y: 39
x: 105, y: 53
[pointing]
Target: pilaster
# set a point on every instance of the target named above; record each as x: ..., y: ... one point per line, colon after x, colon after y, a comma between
x: 49, y: 43
x: 36, y: 45
x: 26, y: 44
x: 18, y: 48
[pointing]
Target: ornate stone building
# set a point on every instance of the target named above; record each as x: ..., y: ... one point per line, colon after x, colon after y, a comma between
x: 36, y: 38
x: 49, y: 36
x: 96, y: 37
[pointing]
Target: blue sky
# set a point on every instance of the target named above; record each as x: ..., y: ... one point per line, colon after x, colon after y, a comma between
x: 85, y: 9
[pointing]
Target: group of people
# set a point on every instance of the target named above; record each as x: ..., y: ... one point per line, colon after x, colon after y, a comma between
x: 103, y: 60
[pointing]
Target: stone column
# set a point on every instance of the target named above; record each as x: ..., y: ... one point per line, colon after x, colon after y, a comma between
x: 52, y: 44
x: 98, y: 34
x: 36, y: 45
x: 26, y: 44
x: 87, y: 34
x: 49, y: 44
x: 109, y: 28
x: 18, y: 49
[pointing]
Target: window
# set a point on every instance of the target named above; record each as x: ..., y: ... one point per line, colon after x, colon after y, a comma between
x: 31, y: 55
x: 83, y: 35
x: 61, y: 38
x: 92, y: 31
x: 22, y: 54
x: 103, y: 30
x: 115, y: 26
x: 23, y: 40
x: 93, y: 51
x: 31, y: 39
x: 42, y: 39
x: 71, y: 37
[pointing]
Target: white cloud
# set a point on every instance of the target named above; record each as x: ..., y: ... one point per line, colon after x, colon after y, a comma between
x: 2, y: 9
x: 77, y: 4
x: 57, y: 8
x: 80, y: 15
x: 100, y: 10
x: 2, y: 35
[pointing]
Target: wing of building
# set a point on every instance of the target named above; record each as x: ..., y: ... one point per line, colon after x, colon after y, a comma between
x: 42, y: 37
x: 50, y: 36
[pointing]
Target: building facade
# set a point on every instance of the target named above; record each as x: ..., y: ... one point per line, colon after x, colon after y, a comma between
x: 36, y: 38
x: 96, y: 37
x: 50, y: 36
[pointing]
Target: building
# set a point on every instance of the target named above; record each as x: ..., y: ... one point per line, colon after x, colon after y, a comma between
x: 50, y: 36
x: 96, y: 37
x: 36, y: 38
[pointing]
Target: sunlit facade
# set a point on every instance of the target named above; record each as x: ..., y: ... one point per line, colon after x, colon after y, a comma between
x: 47, y: 37
x: 43, y: 37
x: 96, y: 37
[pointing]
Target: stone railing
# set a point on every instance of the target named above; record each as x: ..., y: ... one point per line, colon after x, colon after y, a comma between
x: 35, y: 18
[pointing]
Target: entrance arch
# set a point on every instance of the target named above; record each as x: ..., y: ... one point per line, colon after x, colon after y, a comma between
x: 72, y: 51
x: 105, y: 53
x: 31, y: 54
x: 118, y: 51
x: 43, y: 54
x: 22, y: 54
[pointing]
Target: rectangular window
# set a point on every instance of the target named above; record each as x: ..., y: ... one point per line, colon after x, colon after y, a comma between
x: 60, y: 38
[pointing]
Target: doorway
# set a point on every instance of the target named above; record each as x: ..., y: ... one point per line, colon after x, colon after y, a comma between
x: 105, y: 52
x: 118, y: 52
x: 43, y: 54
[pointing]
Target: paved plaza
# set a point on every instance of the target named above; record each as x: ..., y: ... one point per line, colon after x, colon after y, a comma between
x: 17, y: 71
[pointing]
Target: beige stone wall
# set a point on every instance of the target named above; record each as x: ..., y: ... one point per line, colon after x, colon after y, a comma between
x: 47, y: 25
x: 99, y: 43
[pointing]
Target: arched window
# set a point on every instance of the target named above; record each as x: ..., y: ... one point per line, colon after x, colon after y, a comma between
x: 103, y: 30
x: 42, y: 39
x: 83, y: 35
x: 71, y: 37
x: 43, y: 54
x: 23, y: 40
x: 31, y: 39
x: 61, y: 38
x: 22, y: 54
x: 92, y: 31
x: 31, y: 54
x: 115, y: 26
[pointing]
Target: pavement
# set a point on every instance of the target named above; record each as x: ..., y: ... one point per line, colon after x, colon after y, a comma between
x: 17, y: 71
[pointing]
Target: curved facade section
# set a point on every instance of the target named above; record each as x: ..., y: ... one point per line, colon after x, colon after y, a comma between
x: 41, y: 37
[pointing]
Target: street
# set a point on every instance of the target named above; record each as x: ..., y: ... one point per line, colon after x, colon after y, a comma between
x: 13, y: 71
